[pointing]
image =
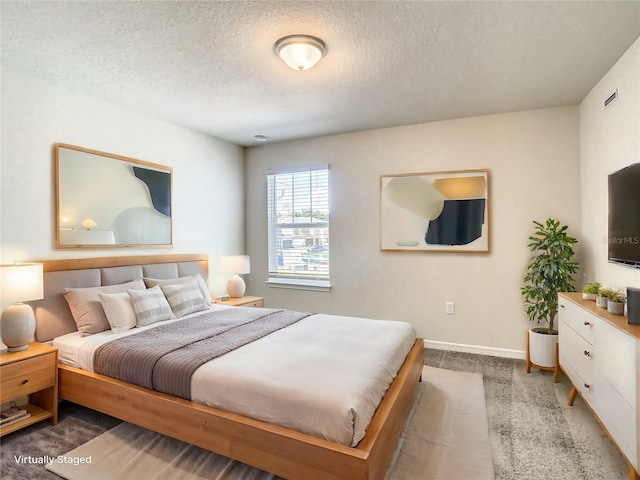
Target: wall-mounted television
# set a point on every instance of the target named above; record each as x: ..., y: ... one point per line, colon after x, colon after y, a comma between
x: 624, y: 216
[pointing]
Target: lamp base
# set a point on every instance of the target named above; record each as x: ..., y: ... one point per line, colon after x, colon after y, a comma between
x: 17, y: 349
x: 17, y: 326
x: 236, y: 287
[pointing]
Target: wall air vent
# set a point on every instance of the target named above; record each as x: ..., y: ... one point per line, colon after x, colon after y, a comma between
x: 612, y: 98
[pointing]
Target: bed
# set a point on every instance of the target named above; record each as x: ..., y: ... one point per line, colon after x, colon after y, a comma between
x: 273, y: 446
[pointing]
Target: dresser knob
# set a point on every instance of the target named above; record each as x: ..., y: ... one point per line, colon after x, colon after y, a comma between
x: 561, y: 306
x: 24, y: 382
x: 586, y: 385
x: 587, y: 323
x: 587, y: 353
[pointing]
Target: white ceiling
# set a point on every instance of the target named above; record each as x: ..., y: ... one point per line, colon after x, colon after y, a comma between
x: 209, y: 65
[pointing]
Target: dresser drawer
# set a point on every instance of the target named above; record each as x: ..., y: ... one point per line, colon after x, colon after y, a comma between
x: 27, y: 383
x: 577, y: 351
x: 577, y: 358
x: 617, y: 360
x: 577, y: 318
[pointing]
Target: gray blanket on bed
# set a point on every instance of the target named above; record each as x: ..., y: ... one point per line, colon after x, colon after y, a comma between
x: 165, y: 357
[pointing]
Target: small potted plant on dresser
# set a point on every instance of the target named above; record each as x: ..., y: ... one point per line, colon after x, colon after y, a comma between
x: 602, y: 300
x: 590, y: 291
x: 550, y: 270
x: 615, y: 303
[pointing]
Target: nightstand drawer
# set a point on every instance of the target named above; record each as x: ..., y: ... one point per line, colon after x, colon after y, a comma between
x: 28, y: 382
x: 254, y: 304
x: 16, y: 369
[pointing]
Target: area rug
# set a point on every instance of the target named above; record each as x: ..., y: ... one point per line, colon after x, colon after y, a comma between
x: 445, y: 437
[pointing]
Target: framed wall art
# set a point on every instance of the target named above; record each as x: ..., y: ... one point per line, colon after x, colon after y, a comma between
x: 107, y: 200
x: 435, y: 211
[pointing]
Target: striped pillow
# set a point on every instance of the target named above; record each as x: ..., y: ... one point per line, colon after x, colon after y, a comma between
x: 202, y: 285
x: 150, y: 306
x: 184, y: 297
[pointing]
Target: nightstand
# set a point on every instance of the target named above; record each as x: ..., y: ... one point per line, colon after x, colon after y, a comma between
x: 242, y: 302
x: 32, y: 372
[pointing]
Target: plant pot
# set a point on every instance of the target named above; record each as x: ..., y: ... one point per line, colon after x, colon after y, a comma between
x: 601, y: 301
x: 542, y: 347
x: 589, y: 296
x: 615, y: 308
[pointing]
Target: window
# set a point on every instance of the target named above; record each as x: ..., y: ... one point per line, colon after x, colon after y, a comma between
x: 298, y: 228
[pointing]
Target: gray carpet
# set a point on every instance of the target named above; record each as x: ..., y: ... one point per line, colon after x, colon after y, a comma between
x: 534, y: 434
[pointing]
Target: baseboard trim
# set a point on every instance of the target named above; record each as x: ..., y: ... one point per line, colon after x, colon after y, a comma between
x: 478, y: 349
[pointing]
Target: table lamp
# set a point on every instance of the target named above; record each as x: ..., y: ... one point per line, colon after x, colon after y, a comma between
x: 19, y: 282
x: 236, y: 264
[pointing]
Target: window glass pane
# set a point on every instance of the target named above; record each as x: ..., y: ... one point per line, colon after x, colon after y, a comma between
x: 298, y: 222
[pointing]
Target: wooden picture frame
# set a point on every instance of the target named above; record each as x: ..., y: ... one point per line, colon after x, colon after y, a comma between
x: 435, y: 211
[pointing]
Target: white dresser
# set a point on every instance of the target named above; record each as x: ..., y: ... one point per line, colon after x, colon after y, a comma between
x: 600, y: 353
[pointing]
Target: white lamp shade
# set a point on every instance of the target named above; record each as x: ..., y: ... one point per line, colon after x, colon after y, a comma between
x: 19, y: 282
x: 235, y: 264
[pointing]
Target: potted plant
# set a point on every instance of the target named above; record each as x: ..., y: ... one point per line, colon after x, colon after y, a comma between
x: 590, y: 291
x: 550, y: 271
x: 615, y: 303
x: 602, y: 300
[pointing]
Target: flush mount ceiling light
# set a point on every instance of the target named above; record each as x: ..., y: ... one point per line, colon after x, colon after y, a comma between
x: 300, y: 52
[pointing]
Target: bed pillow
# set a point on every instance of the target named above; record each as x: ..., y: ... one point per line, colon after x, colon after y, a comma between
x: 184, y: 297
x: 150, y: 306
x: 202, y: 285
x: 86, y: 308
x: 118, y: 310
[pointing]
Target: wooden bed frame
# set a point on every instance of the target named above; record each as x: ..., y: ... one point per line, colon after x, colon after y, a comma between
x: 276, y: 449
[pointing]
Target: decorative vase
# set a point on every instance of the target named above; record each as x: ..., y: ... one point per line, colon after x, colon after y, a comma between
x: 601, y: 301
x: 542, y: 347
x: 615, y: 308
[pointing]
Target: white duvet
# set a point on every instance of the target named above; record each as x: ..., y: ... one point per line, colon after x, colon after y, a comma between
x: 324, y: 375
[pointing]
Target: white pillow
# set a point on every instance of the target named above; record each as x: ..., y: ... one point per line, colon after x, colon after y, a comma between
x: 86, y: 308
x: 119, y: 311
x: 150, y: 306
x: 184, y: 298
x: 202, y: 285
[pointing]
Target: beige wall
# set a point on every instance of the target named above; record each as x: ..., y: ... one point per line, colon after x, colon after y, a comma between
x: 208, y: 174
x: 534, y: 162
x: 609, y: 140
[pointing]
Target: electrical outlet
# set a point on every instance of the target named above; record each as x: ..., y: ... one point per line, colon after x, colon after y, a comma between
x: 450, y: 308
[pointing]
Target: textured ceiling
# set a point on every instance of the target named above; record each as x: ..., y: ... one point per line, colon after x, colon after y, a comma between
x: 209, y: 65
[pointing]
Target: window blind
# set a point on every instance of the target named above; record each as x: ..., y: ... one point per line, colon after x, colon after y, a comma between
x: 298, y: 224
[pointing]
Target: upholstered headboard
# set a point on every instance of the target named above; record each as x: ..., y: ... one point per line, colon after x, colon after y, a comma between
x: 53, y: 317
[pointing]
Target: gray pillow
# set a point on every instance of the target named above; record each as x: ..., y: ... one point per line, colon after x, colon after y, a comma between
x: 86, y: 308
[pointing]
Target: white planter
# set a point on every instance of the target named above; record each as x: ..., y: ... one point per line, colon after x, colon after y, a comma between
x: 615, y: 308
x: 542, y: 347
x: 589, y: 296
x: 601, y: 301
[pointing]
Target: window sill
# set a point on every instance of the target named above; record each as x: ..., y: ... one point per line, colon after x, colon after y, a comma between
x: 300, y: 284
